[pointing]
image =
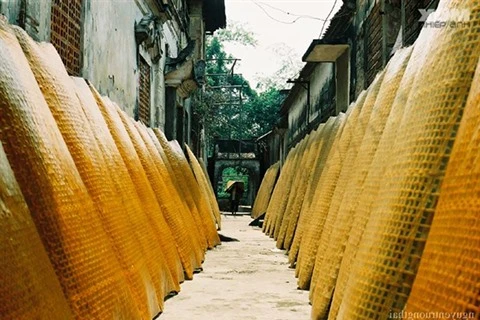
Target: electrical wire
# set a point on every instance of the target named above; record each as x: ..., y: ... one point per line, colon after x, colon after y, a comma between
x: 292, y: 14
x: 259, y: 4
x: 273, y: 18
x: 329, y: 14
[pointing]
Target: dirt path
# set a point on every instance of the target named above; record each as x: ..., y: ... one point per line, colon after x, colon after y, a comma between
x: 243, y: 280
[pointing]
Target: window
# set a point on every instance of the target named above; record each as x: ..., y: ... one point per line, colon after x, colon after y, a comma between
x: 66, y: 33
x: 144, y: 92
x: 373, y: 48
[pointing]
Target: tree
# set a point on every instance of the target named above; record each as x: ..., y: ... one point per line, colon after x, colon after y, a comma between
x: 237, y: 32
x: 220, y: 117
x: 233, y: 113
x: 289, y: 67
x: 263, y: 111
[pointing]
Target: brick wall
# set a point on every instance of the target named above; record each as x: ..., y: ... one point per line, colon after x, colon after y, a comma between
x: 369, y: 47
x: 370, y: 52
x: 359, y: 64
x: 412, y: 17
x: 373, y: 45
x: 66, y: 22
x: 144, y: 92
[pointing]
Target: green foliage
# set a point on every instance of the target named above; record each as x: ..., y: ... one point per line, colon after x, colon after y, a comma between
x: 237, y: 32
x: 237, y: 174
x: 263, y: 111
x: 290, y: 66
x: 233, y: 113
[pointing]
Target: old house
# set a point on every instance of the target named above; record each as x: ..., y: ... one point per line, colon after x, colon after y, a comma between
x: 358, y: 43
x: 146, y: 55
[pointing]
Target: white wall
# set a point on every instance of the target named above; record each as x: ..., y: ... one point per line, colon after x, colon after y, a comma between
x: 319, y: 77
x: 110, y: 50
x: 37, y: 18
x: 295, y: 123
x: 110, y: 54
x: 10, y: 9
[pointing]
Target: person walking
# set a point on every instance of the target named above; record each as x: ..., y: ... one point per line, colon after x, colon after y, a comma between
x: 236, y: 193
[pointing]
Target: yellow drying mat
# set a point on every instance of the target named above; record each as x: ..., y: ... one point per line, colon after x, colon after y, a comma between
x: 326, y: 187
x: 147, y: 196
x: 349, y: 185
x: 280, y: 193
x: 188, y: 219
x: 332, y: 148
x: 59, y: 92
x: 202, y: 214
x: 372, y: 183
x: 172, y: 210
x: 182, y: 184
x: 203, y: 204
x: 449, y: 274
x: 270, y: 215
x: 287, y: 189
x: 298, y: 179
x: 392, y: 244
x: 126, y: 189
x: 29, y: 288
x: 61, y: 207
x: 211, y: 193
x: 303, y: 182
x: 265, y: 191
x: 182, y: 217
x: 204, y: 184
x: 328, y: 135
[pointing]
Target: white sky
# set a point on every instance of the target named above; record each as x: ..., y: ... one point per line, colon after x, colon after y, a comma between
x: 261, y: 61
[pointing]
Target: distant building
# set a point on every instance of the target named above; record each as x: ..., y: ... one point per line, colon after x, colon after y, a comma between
x: 146, y: 55
x: 359, y: 42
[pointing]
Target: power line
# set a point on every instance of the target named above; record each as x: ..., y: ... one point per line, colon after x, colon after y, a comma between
x: 298, y: 17
x: 329, y: 14
x: 292, y: 14
x: 273, y: 18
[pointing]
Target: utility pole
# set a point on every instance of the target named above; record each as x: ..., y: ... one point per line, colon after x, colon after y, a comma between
x: 241, y: 122
x: 234, y: 99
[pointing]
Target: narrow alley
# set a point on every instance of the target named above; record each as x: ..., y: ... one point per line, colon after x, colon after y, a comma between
x: 248, y: 279
x: 239, y: 159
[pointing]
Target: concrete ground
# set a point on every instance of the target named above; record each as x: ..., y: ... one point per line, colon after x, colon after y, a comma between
x: 245, y: 280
